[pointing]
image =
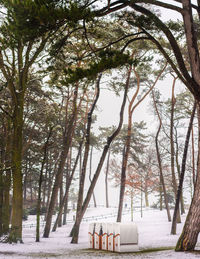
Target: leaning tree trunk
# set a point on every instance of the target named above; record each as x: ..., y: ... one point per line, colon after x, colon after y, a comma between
x: 174, y: 183
x: 67, y: 139
x: 188, y: 239
x: 179, y: 175
x: 68, y: 169
x: 106, y: 179
x: 64, y: 201
x: 60, y: 208
x: 159, y: 160
x: 69, y: 160
x: 193, y: 159
x: 127, y: 148
x: 180, y: 187
x: 85, y: 159
x: 123, y: 178
x: 90, y: 174
x: 75, y: 230
x: 40, y: 187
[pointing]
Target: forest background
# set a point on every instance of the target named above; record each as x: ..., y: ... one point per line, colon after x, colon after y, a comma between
x: 54, y: 58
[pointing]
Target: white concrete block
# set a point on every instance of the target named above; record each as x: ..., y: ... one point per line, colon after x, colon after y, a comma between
x: 125, y: 237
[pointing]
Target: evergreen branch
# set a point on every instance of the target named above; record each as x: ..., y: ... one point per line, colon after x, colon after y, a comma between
x: 132, y: 40
x: 85, y: 32
x: 114, y: 42
x: 116, y: 6
x: 104, y: 11
x: 107, y: 60
x: 161, y: 4
x: 37, y: 52
x: 169, y: 60
x: 177, y: 52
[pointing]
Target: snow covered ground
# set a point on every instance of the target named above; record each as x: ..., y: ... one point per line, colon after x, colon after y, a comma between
x: 153, y: 230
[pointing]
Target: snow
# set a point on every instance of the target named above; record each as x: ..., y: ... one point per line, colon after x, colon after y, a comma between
x: 153, y: 227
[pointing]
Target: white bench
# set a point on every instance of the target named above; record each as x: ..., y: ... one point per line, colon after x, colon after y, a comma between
x: 125, y: 238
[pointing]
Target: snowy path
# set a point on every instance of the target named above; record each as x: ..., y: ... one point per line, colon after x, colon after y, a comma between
x: 153, y: 233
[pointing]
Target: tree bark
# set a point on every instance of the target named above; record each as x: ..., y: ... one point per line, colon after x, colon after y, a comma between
x: 187, y: 139
x: 106, y: 179
x: 122, y: 183
x: 174, y: 182
x: 193, y: 159
x: 1, y: 202
x: 15, y: 234
x: 179, y: 175
x: 188, y: 238
x: 7, y: 180
x: 90, y: 174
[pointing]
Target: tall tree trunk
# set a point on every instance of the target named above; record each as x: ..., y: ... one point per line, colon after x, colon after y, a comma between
x: 51, y: 177
x: 7, y: 180
x: 69, y: 179
x: 188, y: 238
x: 40, y: 187
x: 146, y: 197
x: 75, y: 230
x: 179, y: 175
x: 193, y: 159
x: 123, y: 182
x: 44, y: 196
x: 180, y: 187
x: 65, y: 149
x: 106, y: 179
x: 127, y: 148
x: 174, y: 183
x: 69, y: 160
x: 1, y: 201
x: 160, y: 194
x: 90, y: 174
x: 60, y: 207
x: 15, y: 234
x: 159, y: 160
x: 85, y: 159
